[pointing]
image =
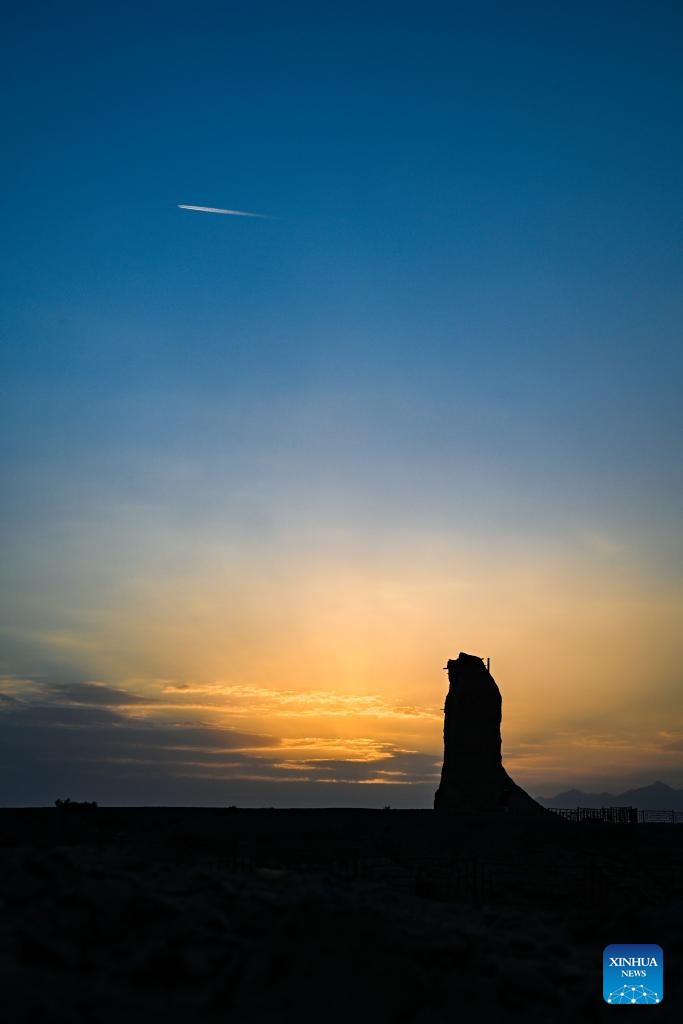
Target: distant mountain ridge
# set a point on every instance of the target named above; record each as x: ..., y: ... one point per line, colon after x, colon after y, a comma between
x: 657, y: 797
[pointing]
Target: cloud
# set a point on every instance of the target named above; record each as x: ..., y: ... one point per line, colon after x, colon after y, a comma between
x: 92, y: 725
x: 248, y: 700
x: 392, y: 766
x: 5, y: 698
x: 671, y: 740
x: 87, y: 739
x: 95, y: 694
x: 68, y: 692
x: 217, y: 209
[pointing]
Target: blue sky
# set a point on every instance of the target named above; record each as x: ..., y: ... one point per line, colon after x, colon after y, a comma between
x: 456, y: 342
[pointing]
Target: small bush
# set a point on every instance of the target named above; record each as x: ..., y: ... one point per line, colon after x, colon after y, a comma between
x: 75, y: 805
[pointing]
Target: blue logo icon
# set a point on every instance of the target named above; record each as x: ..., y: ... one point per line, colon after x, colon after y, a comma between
x: 632, y: 973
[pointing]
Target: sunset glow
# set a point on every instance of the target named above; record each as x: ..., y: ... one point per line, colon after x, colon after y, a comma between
x: 266, y: 475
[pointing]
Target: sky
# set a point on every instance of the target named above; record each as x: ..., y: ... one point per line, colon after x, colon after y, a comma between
x: 264, y: 476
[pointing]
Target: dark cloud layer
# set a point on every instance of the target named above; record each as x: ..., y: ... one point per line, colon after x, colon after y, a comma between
x: 399, y: 766
x: 97, y: 694
x: 91, y: 741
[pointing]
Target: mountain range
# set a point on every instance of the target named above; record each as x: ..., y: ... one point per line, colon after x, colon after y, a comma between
x: 657, y: 797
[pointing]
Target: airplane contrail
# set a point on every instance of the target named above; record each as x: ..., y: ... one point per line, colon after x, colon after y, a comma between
x: 217, y: 209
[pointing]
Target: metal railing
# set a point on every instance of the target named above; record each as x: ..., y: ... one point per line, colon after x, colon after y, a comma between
x: 619, y: 815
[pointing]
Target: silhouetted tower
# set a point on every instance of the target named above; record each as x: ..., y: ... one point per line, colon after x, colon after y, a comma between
x: 473, y: 777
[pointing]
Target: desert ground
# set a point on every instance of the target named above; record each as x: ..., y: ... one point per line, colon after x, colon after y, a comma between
x: 154, y: 914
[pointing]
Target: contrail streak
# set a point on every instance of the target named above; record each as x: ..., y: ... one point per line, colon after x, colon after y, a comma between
x: 216, y: 209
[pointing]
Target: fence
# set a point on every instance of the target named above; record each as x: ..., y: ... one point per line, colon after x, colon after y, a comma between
x: 619, y: 815
x: 670, y: 817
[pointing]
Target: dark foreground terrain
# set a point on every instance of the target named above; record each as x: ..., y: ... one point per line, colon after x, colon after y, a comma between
x: 325, y: 915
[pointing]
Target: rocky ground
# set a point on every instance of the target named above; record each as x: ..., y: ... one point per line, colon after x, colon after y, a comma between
x: 171, y: 916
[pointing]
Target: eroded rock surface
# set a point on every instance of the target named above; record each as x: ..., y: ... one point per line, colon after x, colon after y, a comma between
x: 473, y: 777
